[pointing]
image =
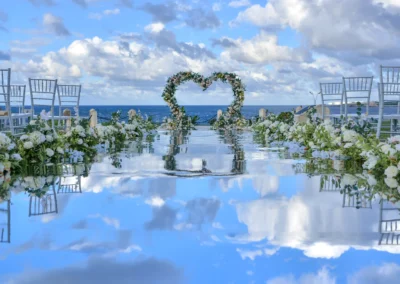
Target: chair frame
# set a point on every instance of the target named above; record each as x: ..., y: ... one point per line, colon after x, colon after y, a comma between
x: 331, y: 89
x: 43, y: 86
x: 357, y: 85
x: 389, y: 86
x: 5, y: 90
x: 68, y: 91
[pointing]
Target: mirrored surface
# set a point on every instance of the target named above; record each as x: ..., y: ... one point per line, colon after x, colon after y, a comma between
x: 198, y: 207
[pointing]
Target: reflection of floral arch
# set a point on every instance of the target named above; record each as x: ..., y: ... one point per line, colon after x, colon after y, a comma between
x: 180, y: 119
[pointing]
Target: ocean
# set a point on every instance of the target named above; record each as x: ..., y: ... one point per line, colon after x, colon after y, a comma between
x: 205, y: 113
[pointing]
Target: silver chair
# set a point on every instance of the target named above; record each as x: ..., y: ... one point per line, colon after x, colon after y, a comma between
x: 70, y: 184
x: 356, y: 200
x: 43, y: 94
x: 17, y: 105
x: 69, y: 96
x: 389, y: 94
x: 361, y: 88
x: 331, y: 92
x: 6, y: 124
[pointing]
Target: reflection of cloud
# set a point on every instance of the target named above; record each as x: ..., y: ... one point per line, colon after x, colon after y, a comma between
x: 163, y: 219
x: 122, y: 244
x: 107, y: 220
x: 202, y: 210
x: 387, y: 273
x: 321, y: 277
x: 252, y: 254
x: 311, y: 221
x: 99, y: 270
x: 82, y: 224
x: 266, y: 184
x: 155, y: 201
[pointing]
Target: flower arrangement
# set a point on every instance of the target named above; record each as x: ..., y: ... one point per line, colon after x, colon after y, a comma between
x: 180, y: 121
x: 40, y: 143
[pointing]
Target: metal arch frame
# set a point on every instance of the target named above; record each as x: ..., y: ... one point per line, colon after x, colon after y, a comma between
x: 70, y: 89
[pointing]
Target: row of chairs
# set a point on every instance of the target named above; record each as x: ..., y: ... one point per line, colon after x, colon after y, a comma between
x: 42, y: 92
x: 359, y: 89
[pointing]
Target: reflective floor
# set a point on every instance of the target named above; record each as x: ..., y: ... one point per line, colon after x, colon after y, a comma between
x: 199, y: 208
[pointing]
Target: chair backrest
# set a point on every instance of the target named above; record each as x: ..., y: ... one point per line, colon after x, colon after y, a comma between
x: 17, y: 97
x: 360, y: 85
x: 389, y: 85
x: 5, y: 79
x: 43, y: 92
x: 331, y: 93
x: 69, y: 96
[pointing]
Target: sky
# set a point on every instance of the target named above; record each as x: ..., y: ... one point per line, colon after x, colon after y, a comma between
x: 123, y: 51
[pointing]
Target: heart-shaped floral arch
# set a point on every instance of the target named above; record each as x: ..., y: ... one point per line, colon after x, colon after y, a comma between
x: 179, y: 118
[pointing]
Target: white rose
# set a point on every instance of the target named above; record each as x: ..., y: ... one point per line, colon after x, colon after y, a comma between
x: 28, y: 145
x: 49, y: 138
x: 391, y: 182
x: 391, y: 171
x: 80, y: 141
x: 60, y: 150
x: 348, y: 145
x: 49, y: 152
x: 1, y: 168
x: 24, y: 137
x: 349, y: 179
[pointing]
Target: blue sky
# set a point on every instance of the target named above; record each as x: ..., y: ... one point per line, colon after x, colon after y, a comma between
x: 123, y: 51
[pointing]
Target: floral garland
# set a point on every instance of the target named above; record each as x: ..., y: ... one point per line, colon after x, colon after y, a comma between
x: 180, y: 121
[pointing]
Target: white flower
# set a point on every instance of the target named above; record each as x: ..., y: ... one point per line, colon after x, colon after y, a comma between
x: 28, y: 145
x: 49, y: 152
x: 387, y: 149
x: 80, y: 141
x: 24, y: 137
x: 348, y: 145
x: 391, y: 182
x: 349, y: 136
x: 371, y: 180
x: 391, y: 171
x: 60, y: 150
x: 37, y: 137
x: 49, y: 138
x: 349, y: 179
x: 16, y: 157
x: 1, y: 168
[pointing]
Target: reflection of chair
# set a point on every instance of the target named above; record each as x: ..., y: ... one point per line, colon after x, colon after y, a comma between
x: 329, y: 183
x: 70, y: 184
x: 45, y: 204
x: 389, y: 225
x: 5, y: 232
x: 358, y: 199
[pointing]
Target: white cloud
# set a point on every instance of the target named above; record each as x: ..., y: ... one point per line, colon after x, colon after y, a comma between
x: 154, y: 27
x: 54, y: 24
x: 216, y: 7
x: 323, y: 276
x: 363, y: 30
x: 239, y: 3
x: 262, y: 49
x: 99, y: 16
x: 386, y: 273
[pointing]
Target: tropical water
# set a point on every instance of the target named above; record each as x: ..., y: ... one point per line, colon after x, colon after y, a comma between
x: 205, y: 113
x: 207, y: 207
